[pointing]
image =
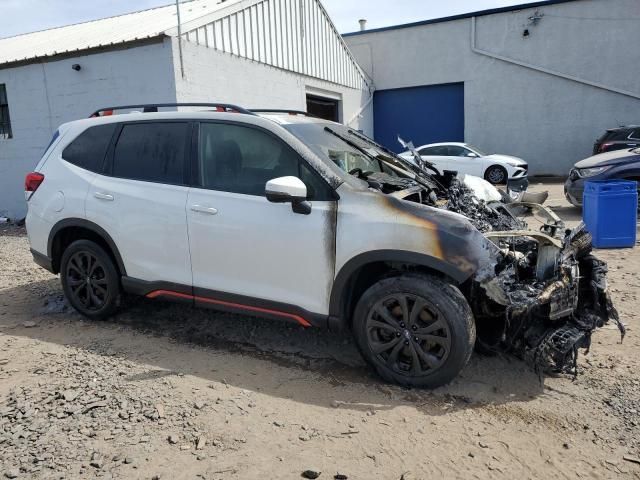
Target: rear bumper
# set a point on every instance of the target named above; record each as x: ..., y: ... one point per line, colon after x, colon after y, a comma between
x: 42, y: 260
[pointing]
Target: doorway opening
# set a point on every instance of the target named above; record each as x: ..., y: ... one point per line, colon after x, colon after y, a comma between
x: 322, y: 107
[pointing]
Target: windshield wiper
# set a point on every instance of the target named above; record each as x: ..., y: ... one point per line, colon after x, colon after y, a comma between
x: 414, y: 176
x: 351, y: 143
x: 417, y: 171
x: 395, y: 156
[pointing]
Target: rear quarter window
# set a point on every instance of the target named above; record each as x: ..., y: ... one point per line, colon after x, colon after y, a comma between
x: 90, y: 147
x: 616, y: 135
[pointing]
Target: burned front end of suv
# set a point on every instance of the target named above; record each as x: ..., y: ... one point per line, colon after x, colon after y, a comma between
x: 548, y: 295
x: 537, y: 294
x: 535, y: 291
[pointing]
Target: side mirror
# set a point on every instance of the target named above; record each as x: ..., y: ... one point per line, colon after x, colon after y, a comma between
x: 472, y: 155
x: 289, y: 190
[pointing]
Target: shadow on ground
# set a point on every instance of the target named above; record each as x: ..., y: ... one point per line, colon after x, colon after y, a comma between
x: 278, y: 359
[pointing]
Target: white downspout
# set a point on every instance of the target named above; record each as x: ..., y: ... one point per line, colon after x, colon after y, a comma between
x: 479, y: 51
x: 358, y: 114
x: 180, y: 39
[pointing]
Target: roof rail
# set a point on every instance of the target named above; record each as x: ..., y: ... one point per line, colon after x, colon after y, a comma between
x: 290, y: 112
x: 153, y: 107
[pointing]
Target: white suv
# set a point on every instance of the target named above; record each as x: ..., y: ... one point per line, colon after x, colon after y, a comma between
x: 287, y: 216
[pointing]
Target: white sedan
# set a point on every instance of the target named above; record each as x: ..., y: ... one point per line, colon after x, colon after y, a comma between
x: 464, y: 158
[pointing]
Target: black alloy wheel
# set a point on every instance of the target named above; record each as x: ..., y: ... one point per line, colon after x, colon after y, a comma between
x: 90, y: 279
x: 87, y: 280
x: 414, y: 329
x: 408, y: 334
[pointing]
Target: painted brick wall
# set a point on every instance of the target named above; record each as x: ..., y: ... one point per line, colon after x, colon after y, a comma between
x: 44, y: 95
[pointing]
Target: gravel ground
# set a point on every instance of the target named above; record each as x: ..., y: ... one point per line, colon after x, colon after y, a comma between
x: 165, y: 391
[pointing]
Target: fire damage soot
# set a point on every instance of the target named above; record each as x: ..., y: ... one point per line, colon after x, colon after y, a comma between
x: 540, y: 295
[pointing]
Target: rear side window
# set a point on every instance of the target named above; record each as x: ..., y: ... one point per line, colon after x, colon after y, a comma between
x: 89, y: 149
x: 616, y: 135
x: 439, y: 151
x: 151, y: 152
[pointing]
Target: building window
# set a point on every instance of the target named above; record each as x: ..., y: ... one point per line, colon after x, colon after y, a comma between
x: 5, y: 123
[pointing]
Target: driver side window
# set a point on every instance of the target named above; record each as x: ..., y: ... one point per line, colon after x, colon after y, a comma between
x: 458, y: 151
x: 239, y: 159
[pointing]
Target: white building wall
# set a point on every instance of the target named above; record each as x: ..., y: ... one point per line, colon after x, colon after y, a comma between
x: 294, y: 35
x: 44, y: 95
x: 551, y: 122
x: 214, y: 76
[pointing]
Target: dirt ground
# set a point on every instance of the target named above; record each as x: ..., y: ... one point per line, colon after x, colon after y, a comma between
x: 165, y: 391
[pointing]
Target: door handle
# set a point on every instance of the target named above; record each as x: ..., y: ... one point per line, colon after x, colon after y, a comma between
x: 103, y: 196
x: 201, y: 209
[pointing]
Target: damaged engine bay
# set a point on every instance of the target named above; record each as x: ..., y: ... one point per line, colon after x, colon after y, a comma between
x: 546, y: 292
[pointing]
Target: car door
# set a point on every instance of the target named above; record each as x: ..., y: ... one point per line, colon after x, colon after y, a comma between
x: 464, y: 160
x: 246, y: 251
x: 436, y: 155
x: 140, y: 200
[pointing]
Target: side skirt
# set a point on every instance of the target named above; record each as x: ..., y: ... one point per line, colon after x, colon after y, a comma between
x: 222, y: 301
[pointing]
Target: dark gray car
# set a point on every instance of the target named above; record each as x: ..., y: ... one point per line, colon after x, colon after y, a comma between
x: 619, y: 165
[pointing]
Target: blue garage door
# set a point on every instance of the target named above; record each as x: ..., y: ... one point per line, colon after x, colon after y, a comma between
x: 422, y: 115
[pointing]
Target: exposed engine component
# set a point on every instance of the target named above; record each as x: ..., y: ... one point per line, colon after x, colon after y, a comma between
x: 554, y: 300
x: 547, y: 293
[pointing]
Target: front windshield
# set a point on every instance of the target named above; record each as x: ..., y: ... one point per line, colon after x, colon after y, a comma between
x: 330, y: 147
x: 477, y: 150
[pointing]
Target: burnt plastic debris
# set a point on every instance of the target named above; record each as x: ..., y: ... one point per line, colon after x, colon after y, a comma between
x: 545, y: 293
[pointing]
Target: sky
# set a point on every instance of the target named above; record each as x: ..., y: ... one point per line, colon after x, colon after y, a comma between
x: 23, y: 16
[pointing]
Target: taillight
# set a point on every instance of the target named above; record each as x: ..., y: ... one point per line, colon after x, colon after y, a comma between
x: 31, y: 183
x: 604, y: 147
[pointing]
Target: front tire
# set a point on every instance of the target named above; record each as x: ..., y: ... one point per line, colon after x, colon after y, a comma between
x: 415, y: 330
x: 90, y: 280
x: 496, y: 175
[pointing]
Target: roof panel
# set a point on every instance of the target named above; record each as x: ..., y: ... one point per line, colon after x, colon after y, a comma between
x: 104, y: 32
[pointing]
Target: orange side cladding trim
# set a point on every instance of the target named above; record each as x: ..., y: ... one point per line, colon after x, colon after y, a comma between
x: 169, y: 293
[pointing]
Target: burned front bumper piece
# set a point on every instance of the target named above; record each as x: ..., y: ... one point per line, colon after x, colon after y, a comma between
x: 537, y: 294
x: 546, y: 299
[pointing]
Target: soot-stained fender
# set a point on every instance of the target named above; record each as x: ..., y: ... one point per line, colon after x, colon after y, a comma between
x: 340, y: 291
x: 462, y: 250
x: 375, y: 229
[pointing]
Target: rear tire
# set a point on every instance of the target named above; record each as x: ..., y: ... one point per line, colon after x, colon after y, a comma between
x: 90, y: 280
x: 415, y: 330
x: 496, y: 175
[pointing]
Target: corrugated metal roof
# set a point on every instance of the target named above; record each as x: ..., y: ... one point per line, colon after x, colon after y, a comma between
x: 105, y: 32
x: 294, y: 35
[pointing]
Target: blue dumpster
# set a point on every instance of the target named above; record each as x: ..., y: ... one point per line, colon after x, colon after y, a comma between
x: 610, y: 212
